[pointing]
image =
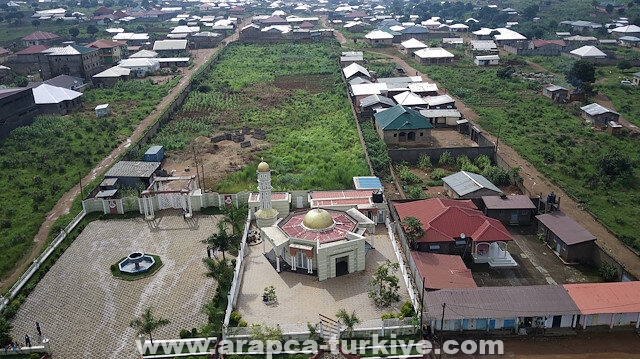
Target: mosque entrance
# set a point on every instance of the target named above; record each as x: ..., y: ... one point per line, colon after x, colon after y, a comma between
x: 342, y: 266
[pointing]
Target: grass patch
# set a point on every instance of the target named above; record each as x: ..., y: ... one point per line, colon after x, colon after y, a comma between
x: 115, y: 270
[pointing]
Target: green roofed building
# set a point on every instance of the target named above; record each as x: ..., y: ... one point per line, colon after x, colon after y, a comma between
x: 402, y: 126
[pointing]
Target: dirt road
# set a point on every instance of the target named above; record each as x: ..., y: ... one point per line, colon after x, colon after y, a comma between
x: 536, y: 183
x: 199, y: 57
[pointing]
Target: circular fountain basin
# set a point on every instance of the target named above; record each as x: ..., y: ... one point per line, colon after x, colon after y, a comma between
x: 136, y: 262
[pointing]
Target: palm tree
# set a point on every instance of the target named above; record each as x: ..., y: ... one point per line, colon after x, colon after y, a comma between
x: 221, y: 240
x: 219, y: 270
x: 348, y: 320
x: 147, y: 323
x: 235, y: 216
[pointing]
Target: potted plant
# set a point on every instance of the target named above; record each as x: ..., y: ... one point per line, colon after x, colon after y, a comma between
x: 269, y: 295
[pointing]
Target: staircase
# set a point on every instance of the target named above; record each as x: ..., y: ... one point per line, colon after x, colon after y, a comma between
x: 499, y: 258
x: 330, y: 329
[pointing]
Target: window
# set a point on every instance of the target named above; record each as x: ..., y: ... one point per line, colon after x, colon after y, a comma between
x: 524, y: 212
x: 395, y: 135
x: 434, y: 247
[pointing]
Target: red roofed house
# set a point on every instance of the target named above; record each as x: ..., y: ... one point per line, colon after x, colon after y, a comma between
x: 110, y: 51
x: 440, y: 271
x: 101, y: 11
x: 40, y: 38
x: 356, y: 15
x: 4, y: 55
x: 610, y: 304
x: 457, y: 227
x: 571, y: 242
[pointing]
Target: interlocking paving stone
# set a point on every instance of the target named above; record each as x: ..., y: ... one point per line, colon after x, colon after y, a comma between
x: 85, y: 311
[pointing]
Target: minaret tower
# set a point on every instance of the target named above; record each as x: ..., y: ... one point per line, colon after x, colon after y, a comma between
x: 266, y: 216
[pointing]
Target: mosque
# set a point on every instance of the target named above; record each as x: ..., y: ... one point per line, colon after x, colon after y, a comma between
x: 323, y: 242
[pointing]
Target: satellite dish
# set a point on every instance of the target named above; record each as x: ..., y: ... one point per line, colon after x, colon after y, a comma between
x: 463, y: 236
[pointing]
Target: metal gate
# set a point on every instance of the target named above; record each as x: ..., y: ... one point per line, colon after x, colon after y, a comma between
x: 171, y: 200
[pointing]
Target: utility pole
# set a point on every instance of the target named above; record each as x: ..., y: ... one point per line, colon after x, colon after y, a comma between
x: 204, y: 186
x: 422, y: 310
x: 444, y: 305
x: 195, y: 159
x: 498, y: 138
x: 80, y: 180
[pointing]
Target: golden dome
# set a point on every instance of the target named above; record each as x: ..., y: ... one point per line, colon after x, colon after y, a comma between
x: 318, y: 219
x: 263, y: 167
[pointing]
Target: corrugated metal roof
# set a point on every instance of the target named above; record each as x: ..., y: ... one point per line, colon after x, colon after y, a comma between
x: 354, y: 69
x: 169, y: 45
x: 115, y: 71
x: 596, y: 109
x: 565, y: 228
x: 133, y: 169
x: 596, y: 298
x: 500, y: 302
x: 439, y: 100
x: 441, y: 271
x: 47, y: 94
x: 508, y: 202
x: 401, y: 118
x: 440, y: 113
x: 464, y: 182
x: 376, y: 99
x: 433, y: 53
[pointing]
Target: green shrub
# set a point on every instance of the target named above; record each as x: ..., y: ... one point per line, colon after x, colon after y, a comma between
x: 408, y: 177
x: 391, y: 315
x: 437, y: 175
x: 234, y: 319
x: 434, y: 183
x: 424, y: 162
x: 497, y: 175
x: 406, y: 310
x: 242, y: 323
x: 184, y: 334
x: 446, y: 160
x: 415, y: 193
x: 609, y: 272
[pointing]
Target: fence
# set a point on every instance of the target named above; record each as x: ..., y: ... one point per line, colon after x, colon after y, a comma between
x: 232, y: 297
x: 33, y: 268
x: 403, y: 268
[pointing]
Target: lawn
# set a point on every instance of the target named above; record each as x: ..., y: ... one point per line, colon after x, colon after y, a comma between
x: 295, y: 93
x: 43, y: 161
x: 553, y: 138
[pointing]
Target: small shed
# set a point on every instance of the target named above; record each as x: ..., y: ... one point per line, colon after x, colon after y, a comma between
x: 132, y: 173
x: 510, y: 210
x: 614, y: 128
x: 154, y: 154
x: 102, y: 110
x: 467, y: 185
x: 570, y: 240
x: 487, y: 60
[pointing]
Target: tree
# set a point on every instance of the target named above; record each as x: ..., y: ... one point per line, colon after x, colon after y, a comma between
x: 74, y: 32
x: 92, y: 30
x: 581, y: 72
x: 235, y: 217
x: 616, y: 165
x: 147, y: 323
x: 265, y: 332
x: 530, y: 12
x: 384, y: 285
x: 35, y: 23
x: 349, y: 321
x: 221, y: 240
x: 220, y: 271
x: 609, y: 8
x: 413, y: 230
x: 5, y: 331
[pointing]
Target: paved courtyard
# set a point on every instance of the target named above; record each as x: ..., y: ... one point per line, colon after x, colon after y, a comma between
x: 85, y: 311
x: 302, y: 297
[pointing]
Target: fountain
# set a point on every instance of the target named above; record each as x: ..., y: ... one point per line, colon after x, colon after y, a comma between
x: 136, y: 262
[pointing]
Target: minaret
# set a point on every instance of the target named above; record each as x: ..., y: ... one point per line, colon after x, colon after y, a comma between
x: 266, y: 216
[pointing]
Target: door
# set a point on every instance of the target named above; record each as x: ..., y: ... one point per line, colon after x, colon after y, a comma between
x: 342, y: 266
x: 558, y: 247
x: 514, y: 216
x: 492, y: 324
x: 301, y: 259
x: 557, y: 319
x: 481, y: 323
x: 299, y: 202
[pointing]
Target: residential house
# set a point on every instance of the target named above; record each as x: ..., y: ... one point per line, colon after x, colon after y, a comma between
x: 452, y: 41
x: 629, y: 30
x: 588, y: 53
x: 598, y: 115
x: 630, y: 41
x: 64, y: 81
x: 110, y: 76
x: 402, y: 126
x: 26, y: 60
x: 483, y: 47
x: 423, y: 88
x: 41, y: 38
x: 132, y: 39
x: 140, y: 67
x: 4, y: 55
x: 412, y: 45
x: 18, y: 108
x: 205, y: 39
x: 574, y: 42
x: 636, y: 79
x: 73, y: 60
x: 487, y: 60
x: 434, y: 55
x: 510, y: 210
x: 409, y: 99
x: 374, y: 103
x: 572, y: 242
x: 379, y: 38
x: 144, y: 54
x: 467, y: 185
x: 606, y: 304
x: 56, y: 100
x: 458, y: 227
x: 440, y: 102
x: 355, y: 70
x: 349, y: 57
x: 102, y: 10
x: 442, y: 117
x: 509, y: 309
x: 537, y: 47
x: 440, y: 271
x: 110, y: 51
x: 273, y: 20
x: 414, y: 32
x: 170, y: 48
x: 582, y: 26
x: 354, y: 26
x: 556, y: 93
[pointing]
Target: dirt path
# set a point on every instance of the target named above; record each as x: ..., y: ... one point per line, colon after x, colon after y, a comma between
x: 536, y: 183
x: 199, y: 57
